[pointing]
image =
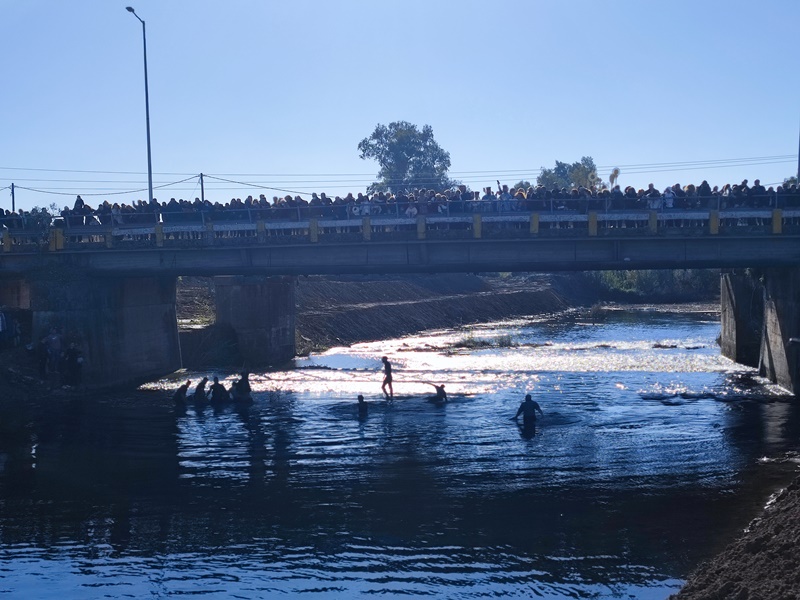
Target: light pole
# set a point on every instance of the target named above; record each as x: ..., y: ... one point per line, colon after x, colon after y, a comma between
x: 146, y: 108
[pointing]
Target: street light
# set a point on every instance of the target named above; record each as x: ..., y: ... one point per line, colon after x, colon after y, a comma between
x: 146, y: 108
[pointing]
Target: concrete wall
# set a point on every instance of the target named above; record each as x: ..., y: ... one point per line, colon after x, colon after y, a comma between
x: 125, y: 328
x: 15, y: 293
x: 261, y: 310
x: 780, y: 356
x: 741, y: 317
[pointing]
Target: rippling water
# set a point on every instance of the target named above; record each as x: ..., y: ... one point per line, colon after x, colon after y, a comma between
x: 652, y: 453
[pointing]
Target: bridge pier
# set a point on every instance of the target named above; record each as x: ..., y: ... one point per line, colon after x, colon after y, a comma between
x: 261, y: 310
x: 780, y: 345
x: 741, y: 317
x: 126, y: 328
x: 760, y: 321
x: 15, y: 294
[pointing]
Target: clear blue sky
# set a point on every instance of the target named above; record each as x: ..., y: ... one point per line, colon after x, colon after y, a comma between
x: 279, y: 93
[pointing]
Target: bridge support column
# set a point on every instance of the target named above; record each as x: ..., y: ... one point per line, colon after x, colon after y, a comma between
x: 780, y: 345
x: 15, y: 294
x: 261, y: 310
x: 741, y: 317
x: 126, y: 328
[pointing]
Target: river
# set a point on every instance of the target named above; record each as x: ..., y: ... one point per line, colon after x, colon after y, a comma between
x: 653, y: 453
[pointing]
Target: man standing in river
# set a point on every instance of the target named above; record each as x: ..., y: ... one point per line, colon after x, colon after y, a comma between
x: 387, y: 378
x: 528, y: 411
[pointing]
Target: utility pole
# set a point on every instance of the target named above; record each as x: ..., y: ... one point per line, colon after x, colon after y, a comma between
x: 146, y: 108
x: 13, y: 206
x: 202, y: 190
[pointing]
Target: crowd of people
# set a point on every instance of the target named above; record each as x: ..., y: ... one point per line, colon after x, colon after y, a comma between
x: 457, y: 200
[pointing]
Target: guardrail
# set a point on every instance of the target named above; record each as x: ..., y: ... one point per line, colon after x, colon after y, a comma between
x: 242, y: 227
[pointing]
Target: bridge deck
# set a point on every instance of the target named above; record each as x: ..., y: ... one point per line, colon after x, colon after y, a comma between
x: 479, y: 242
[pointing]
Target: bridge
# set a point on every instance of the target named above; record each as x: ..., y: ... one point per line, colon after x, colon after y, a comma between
x: 113, y: 287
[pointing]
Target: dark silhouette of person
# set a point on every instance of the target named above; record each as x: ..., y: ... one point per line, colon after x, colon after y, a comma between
x: 240, y: 390
x: 363, y: 407
x: 528, y: 411
x: 387, y: 377
x: 200, y: 390
x: 441, y: 395
x: 73, y: 365
x: 218, y: 393
x: 179, y: 397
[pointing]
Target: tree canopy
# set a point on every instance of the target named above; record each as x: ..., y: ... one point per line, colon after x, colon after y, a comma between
x: 409, y: 158
x: 565, y: 175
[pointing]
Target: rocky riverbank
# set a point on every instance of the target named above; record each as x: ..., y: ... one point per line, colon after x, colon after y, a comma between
x: 763, y: 564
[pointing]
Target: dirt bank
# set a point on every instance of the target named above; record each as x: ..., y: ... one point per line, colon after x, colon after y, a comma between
x: 335, y: 311
x: 764, y: 564
x: 345, y: 311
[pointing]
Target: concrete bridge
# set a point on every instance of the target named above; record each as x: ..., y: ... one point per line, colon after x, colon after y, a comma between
x: 113, y: 288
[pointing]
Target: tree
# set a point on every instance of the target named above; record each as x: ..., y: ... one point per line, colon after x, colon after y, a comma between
x: 408, y: 158
x: 565, y: 175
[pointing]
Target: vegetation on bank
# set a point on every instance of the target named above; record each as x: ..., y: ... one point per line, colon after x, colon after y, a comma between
x: 673, y: 285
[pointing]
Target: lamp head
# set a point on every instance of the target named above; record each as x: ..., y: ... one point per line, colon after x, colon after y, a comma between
x: 130, y: 9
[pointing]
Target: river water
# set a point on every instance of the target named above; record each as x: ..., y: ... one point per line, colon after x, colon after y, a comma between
x: 653, y: 452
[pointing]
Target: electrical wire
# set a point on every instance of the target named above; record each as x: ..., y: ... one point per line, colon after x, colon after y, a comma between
x: 107, y: 193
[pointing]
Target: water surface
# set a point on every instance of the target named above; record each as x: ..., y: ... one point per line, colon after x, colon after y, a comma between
x: 653, y: 452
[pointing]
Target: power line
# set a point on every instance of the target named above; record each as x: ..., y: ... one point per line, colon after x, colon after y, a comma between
x: 732, y: 161
x: 106, y: 193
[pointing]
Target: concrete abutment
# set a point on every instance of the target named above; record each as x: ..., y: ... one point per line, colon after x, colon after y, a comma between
x: 761, y: 309
x: 261, y: 311
x: 126, y: 328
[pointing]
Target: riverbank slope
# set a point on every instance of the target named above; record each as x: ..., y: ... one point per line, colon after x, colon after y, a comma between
x: 763, y: 564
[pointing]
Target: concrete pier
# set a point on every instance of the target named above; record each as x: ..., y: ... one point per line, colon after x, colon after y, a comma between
x: 15, y: 293
x: 741, y: 316
x: 126, y: 328
x: 261, y: 310
x: 761, y: 322
x: 780, y: 345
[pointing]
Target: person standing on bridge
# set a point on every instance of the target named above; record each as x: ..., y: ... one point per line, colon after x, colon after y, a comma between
x: 387, y: 378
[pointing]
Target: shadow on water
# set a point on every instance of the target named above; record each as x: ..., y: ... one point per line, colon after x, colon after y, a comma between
x: 612, y: 495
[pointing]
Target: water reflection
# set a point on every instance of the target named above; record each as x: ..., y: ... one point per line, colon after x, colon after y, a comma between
x: 645, y: 459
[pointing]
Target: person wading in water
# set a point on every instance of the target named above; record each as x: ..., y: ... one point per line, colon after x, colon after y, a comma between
x: 387, y: 378
x: 528, y: 411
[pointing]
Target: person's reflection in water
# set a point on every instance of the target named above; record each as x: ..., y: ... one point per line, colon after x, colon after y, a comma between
x: 527, y: 432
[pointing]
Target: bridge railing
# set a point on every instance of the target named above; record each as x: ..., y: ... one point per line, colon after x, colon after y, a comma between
x: 243, y: 227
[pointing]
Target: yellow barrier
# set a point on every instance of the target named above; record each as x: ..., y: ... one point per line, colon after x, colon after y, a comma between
x: 534, y: 223
x: 777, y: 221
x: 56, y: 240
x: 592, y: 224
x: 713, y: 222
